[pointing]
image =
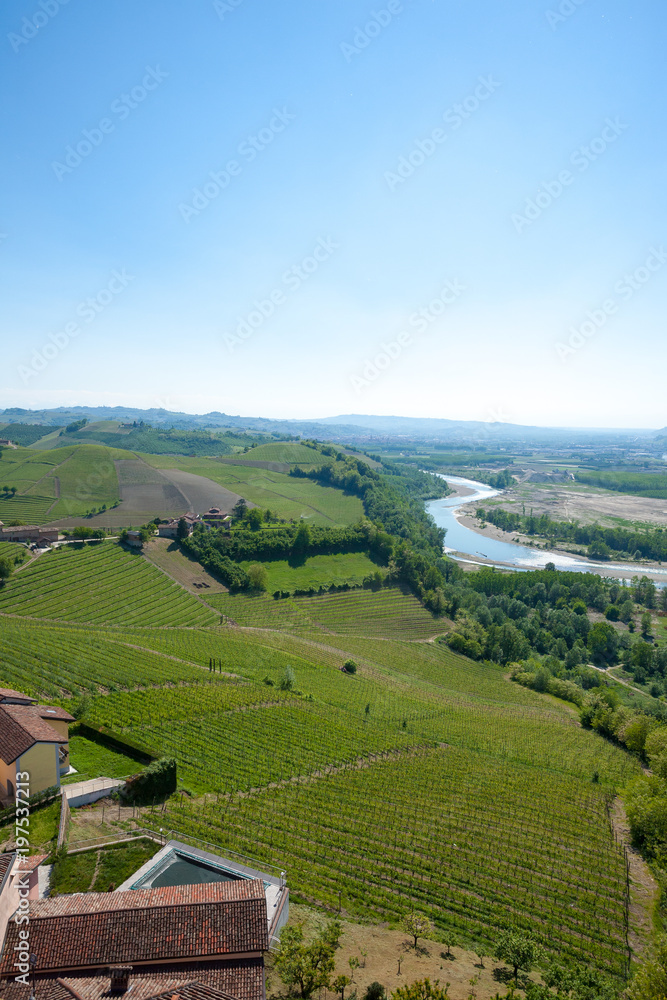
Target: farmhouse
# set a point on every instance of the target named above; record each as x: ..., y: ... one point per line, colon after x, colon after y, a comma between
x: 29, y: 533
x: 217, y: 517
x: 33, y: 738
x: 134, y: 539
x: 5, y: 443
x: 170, y: 529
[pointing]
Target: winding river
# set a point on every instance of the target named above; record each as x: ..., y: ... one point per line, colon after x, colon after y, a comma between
x: 466, y: 545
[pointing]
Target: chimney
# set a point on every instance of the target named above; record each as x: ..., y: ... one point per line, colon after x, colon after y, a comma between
x: 120, y: 977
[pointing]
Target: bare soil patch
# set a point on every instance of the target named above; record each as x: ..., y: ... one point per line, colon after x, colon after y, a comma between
x: 169, y: 557
x: 384, y: 947
x: 565, y: 503
x: 202, y: 493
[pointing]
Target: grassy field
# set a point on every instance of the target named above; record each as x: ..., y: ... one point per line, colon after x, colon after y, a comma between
x: 43, y: 828
x: 317, y: 571
x: 286, y: 496
x: 100, y: 583
x: 93, y: 760
x: 290, y: 454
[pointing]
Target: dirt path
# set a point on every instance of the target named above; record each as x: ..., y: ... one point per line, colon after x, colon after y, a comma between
x: 619, y: 680
x: 644, y: 890
x: 98, y: 862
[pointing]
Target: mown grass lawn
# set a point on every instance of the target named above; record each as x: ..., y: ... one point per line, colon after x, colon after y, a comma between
x: 318, y: 571
x: 92, y: 760
x: 114, y: 864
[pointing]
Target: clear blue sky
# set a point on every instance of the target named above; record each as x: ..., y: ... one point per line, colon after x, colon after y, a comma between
x: 305, y: 112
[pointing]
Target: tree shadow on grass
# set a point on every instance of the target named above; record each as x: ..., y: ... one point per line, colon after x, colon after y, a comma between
x: 506, y: 976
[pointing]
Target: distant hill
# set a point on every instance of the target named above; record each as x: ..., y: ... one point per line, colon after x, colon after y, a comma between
x: 361, y: 429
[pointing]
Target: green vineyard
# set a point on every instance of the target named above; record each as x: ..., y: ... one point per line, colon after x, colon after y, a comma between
x: 100, y: 583
x: 473, y: 842
x: 424, y: 779
x: 388, y: 612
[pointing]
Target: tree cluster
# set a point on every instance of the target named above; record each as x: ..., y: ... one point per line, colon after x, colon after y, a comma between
x: 649, y: 543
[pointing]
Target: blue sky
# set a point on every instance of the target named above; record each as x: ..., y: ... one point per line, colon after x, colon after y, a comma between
x: 446, y: 208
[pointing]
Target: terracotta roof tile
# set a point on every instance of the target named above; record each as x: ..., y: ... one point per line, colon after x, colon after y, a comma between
x: 20, y: 727
x: 242, y: 980
x: 54, y: 712
x: 8, y: 693
x: 144, y: 925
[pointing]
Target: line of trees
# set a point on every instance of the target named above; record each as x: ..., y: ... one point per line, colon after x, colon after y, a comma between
x: 649, y: 543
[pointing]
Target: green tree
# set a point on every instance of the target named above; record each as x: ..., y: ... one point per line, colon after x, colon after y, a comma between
x: 375, y: 991
x: 339, y: 984
x: 350, y: 667
x: 255, y: 518
x: 422, y: 989
x: 257, y: 575
x: 307, y: 966
x: 302, y: 540
x: 182, y: 529
x: 603, y: 643
x: 416, y: 925
x: 520, y: 951
x: 287, y: 680
x: 646, y: 624
x: 6, y: 567
x: 239, y: 509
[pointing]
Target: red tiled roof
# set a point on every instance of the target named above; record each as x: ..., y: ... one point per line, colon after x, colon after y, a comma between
x: 21, y: 726
x: 28, y: 862
x: 54, y: 712
x: 242, y: 980
x: 8, y: 693
x: 6, y: 861
x: 90, y: 930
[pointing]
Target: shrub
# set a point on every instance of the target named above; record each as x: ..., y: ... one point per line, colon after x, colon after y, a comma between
x: 156, y: 782
x: 350, y: 667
